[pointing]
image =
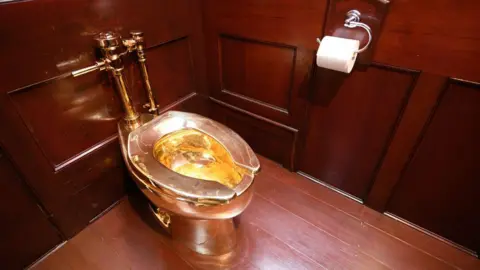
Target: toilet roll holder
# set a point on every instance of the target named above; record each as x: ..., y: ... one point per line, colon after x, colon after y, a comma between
x: 352, y: 21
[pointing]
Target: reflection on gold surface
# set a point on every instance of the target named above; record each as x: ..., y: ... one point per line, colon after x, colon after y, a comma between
x: 194, y: 154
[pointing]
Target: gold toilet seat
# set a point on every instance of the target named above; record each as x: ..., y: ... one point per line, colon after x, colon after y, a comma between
x: 192, y: 157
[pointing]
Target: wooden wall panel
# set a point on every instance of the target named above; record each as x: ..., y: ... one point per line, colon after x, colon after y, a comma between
x: 82, y: 112
x: 25, y: 230
x: 53, y: 37
x: 423, y: 99
x: 268, y: 138
x: 85, y: 187
x: 260, y: 55
x: 259, y: 61
x: 176, y: 59
x: 439, y: 188
x: 352, y: 124
x: 440, y: 37
x: 296, y: 23
x: 62, y: 132
x: 69, y: 116
x: 249, y: 67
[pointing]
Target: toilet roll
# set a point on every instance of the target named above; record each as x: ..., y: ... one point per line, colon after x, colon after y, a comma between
x: 337, y: 53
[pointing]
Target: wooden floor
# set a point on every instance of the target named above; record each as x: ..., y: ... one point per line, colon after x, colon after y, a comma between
x: 292, y: 223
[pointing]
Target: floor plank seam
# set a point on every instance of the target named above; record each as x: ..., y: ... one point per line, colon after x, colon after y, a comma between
x: 414, y: 247
x: 288, y: 245
x: 46, y: 255
x: 322, y: 230
x: 370, y: 225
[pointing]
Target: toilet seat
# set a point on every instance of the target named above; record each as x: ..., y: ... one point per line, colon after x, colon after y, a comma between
x: 142, y: 140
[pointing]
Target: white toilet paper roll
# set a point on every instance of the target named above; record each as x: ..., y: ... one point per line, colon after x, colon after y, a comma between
x: 337, y: 53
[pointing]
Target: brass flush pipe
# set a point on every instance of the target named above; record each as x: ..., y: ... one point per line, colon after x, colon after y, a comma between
x: 136, y: 42
x: 111, y: 47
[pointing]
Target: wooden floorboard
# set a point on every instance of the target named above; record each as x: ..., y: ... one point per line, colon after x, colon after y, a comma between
x: 374, y: 243
x: 429, y: 245
x: 292, y: 223
x: 315, y: 243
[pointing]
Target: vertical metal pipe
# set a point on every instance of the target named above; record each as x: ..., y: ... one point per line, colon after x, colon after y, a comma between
x: 146, y: 82
x: 137, y: 36
x: 110, y: 45
x: 130, y: 113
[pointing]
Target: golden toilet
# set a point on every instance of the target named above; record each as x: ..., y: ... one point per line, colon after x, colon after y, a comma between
x: 197, y: 174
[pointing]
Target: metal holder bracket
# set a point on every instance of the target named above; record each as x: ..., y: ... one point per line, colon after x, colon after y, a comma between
x: 352, y: 21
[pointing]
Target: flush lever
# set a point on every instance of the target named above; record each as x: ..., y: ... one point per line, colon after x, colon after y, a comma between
x: 99, y: 65
x: 110, y: 45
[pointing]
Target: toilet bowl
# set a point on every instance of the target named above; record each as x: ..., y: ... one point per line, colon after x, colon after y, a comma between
x: 197, y: 174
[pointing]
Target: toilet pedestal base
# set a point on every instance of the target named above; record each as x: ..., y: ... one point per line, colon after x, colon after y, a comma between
x: 208, y: 237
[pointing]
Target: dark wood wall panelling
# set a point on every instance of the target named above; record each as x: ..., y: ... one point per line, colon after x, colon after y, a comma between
x: 351, y: 123
x: 430, y: 172
x: 61, y: 134
x: 22, y: 221
x: 259, y: 61
x: 439, y: 38
x: 272, y: 139
x: 357, y: 132
x: 439, y: 187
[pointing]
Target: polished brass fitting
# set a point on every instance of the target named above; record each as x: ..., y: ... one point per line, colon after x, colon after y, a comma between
x: 110, y: 45
x: 136, y: 43
x: 113, y: 48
